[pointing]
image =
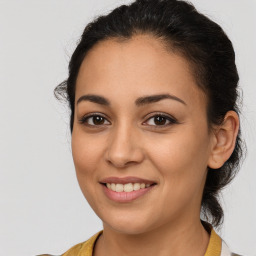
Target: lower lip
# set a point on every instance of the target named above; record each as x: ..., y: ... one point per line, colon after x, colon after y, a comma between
x: 125, y: 197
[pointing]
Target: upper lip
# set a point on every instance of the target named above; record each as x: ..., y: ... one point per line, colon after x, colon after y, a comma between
x: 125, y: 180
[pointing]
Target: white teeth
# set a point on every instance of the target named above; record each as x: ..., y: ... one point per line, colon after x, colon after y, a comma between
x: 113, y: 186
x: 136, y: 186
x: 142, y: 185
x: 119, y: 187
x: 129, y: 187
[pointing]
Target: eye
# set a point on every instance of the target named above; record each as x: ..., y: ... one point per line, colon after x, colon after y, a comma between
x: 94, y: 120
x: 160, y: 120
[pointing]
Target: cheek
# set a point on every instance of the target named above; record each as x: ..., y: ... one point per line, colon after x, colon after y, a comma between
x: 86, y: 155
x: 181, y: 157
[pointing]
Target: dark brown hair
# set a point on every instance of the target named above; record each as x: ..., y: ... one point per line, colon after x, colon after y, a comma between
x: 202, y: 42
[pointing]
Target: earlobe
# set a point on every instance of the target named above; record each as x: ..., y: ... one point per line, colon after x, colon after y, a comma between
x: 224, y: 140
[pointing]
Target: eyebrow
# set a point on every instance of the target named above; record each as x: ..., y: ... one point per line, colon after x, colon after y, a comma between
x: 139, y: 102
x: 155, y: 98
x: 94, y: 98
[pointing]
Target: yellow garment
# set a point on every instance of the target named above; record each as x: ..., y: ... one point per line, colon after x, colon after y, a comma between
x: 214, y: 246
x: 86, y: 248
x: 83, y: 249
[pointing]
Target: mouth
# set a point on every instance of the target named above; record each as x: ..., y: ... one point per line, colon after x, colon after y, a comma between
x: 126, y: 189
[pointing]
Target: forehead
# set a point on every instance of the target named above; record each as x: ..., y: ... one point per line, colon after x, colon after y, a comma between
x: 134, y: 67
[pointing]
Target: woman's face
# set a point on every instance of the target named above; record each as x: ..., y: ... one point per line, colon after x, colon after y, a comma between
x: 140, y: 118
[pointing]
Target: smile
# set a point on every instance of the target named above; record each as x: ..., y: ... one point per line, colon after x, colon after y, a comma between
x: 126, y: 189
x: 129, y: 187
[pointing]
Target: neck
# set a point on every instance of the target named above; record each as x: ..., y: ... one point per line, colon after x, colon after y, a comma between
x: 174, y: 239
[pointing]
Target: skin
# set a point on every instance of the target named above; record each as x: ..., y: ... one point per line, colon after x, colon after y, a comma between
x: 165, y: 221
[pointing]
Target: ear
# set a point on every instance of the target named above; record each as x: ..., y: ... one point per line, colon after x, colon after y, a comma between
x: 224, y: 140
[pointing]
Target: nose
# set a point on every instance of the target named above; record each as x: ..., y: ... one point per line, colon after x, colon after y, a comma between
x: 124, y: 147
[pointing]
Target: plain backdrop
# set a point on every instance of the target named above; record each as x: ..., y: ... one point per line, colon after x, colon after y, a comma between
x: 41, y: 207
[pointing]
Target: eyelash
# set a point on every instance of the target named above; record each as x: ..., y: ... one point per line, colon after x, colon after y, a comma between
x: 171, y: 120
x: 85, y: 118
x: 168, y: 118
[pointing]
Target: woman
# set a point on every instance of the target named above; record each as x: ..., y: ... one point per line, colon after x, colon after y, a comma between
x: 152, y: 89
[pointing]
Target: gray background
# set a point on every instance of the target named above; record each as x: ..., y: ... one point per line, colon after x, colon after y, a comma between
x: 41, y: 207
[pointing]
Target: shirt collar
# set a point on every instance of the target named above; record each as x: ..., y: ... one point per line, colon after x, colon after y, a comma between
x: 213, y: 249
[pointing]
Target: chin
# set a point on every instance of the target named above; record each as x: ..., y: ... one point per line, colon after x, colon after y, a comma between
x: 131, y: 226
x: 129, y: 230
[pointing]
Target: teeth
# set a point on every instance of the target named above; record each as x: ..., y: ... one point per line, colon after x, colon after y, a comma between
x: 129, y: 187
x: 113, y: 186
x: 136, y: 186
x: 119, y: 187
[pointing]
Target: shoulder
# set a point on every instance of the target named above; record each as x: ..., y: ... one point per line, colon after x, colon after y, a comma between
x: 73, y: 251
x: 226, y: 252
x: 217, y: 246
x: 84, y: 248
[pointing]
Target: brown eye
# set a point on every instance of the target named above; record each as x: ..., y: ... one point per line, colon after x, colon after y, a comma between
x: 160, y: 120
x: 94, y: 120
x: 98, y: 120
